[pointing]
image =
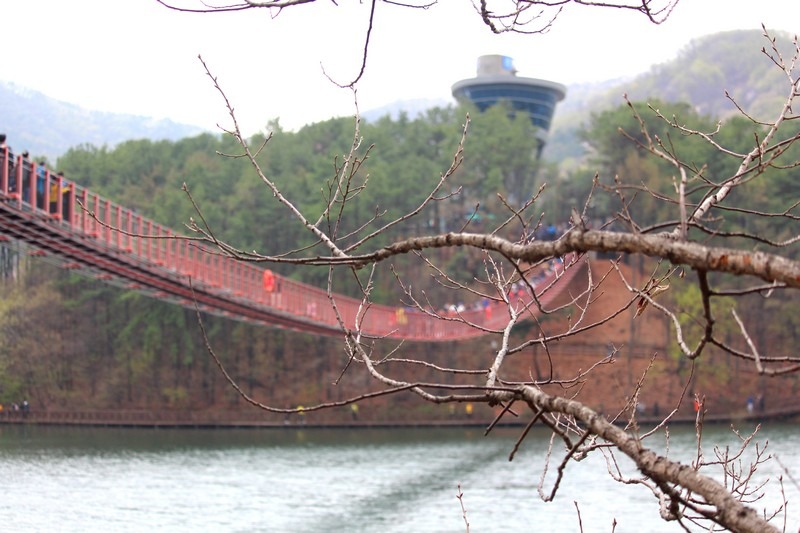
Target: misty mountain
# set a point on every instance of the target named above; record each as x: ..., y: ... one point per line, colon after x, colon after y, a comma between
x: 412, y: 108
x: 700, y: 74
x: 48, y: 127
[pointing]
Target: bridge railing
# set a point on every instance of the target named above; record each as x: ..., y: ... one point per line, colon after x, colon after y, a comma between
x: 47, y: 197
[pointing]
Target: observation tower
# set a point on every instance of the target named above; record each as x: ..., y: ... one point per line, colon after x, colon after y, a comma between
x: 497, y: 81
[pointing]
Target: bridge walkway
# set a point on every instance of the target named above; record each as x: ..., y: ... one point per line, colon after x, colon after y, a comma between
x: 43, y: 209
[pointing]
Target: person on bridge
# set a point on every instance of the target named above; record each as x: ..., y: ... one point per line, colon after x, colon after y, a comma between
x: 6, y: 159
x: 41, y: 182
x: 27, y: 168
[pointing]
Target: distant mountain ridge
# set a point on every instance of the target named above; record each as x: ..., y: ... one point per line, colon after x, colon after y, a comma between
x: 48, y: 127
x: 710, y: 66
x: 412, y: 108
x: 701, y: 73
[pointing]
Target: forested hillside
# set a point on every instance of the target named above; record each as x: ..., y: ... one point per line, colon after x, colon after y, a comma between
x: 70, y: 341
x: 701, y: 75
x: 121, y: 349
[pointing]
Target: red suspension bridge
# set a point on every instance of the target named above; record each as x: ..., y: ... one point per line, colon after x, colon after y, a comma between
x: 43, y: 209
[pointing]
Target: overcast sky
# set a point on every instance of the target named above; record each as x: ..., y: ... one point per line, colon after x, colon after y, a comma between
x: 137, y: 57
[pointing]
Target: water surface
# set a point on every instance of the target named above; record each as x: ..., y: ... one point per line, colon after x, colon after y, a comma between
x: 309, y: 480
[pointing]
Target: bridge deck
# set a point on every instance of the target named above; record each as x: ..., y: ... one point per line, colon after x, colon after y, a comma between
x: 98, y: 237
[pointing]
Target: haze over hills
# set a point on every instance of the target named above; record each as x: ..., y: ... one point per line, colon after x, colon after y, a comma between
x: 47, y: 127
x: 701, y: 73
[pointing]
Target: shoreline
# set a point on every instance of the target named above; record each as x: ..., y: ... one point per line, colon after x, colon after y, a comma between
x: 199, y: 420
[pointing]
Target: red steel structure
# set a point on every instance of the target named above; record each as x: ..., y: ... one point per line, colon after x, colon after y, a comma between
x: 44, y: 210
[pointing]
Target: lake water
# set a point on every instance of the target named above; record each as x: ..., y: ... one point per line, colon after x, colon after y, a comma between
x: 323, y: 480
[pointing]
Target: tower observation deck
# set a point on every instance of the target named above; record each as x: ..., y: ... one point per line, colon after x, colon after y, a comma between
x: 497, y: 81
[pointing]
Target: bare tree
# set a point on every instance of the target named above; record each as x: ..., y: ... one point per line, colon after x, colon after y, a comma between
x: 725, y: 261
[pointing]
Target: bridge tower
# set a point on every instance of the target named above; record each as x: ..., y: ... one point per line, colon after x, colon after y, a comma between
x: 497, y: 81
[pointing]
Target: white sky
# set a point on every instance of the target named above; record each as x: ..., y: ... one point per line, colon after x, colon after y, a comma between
x: 138, y: 57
